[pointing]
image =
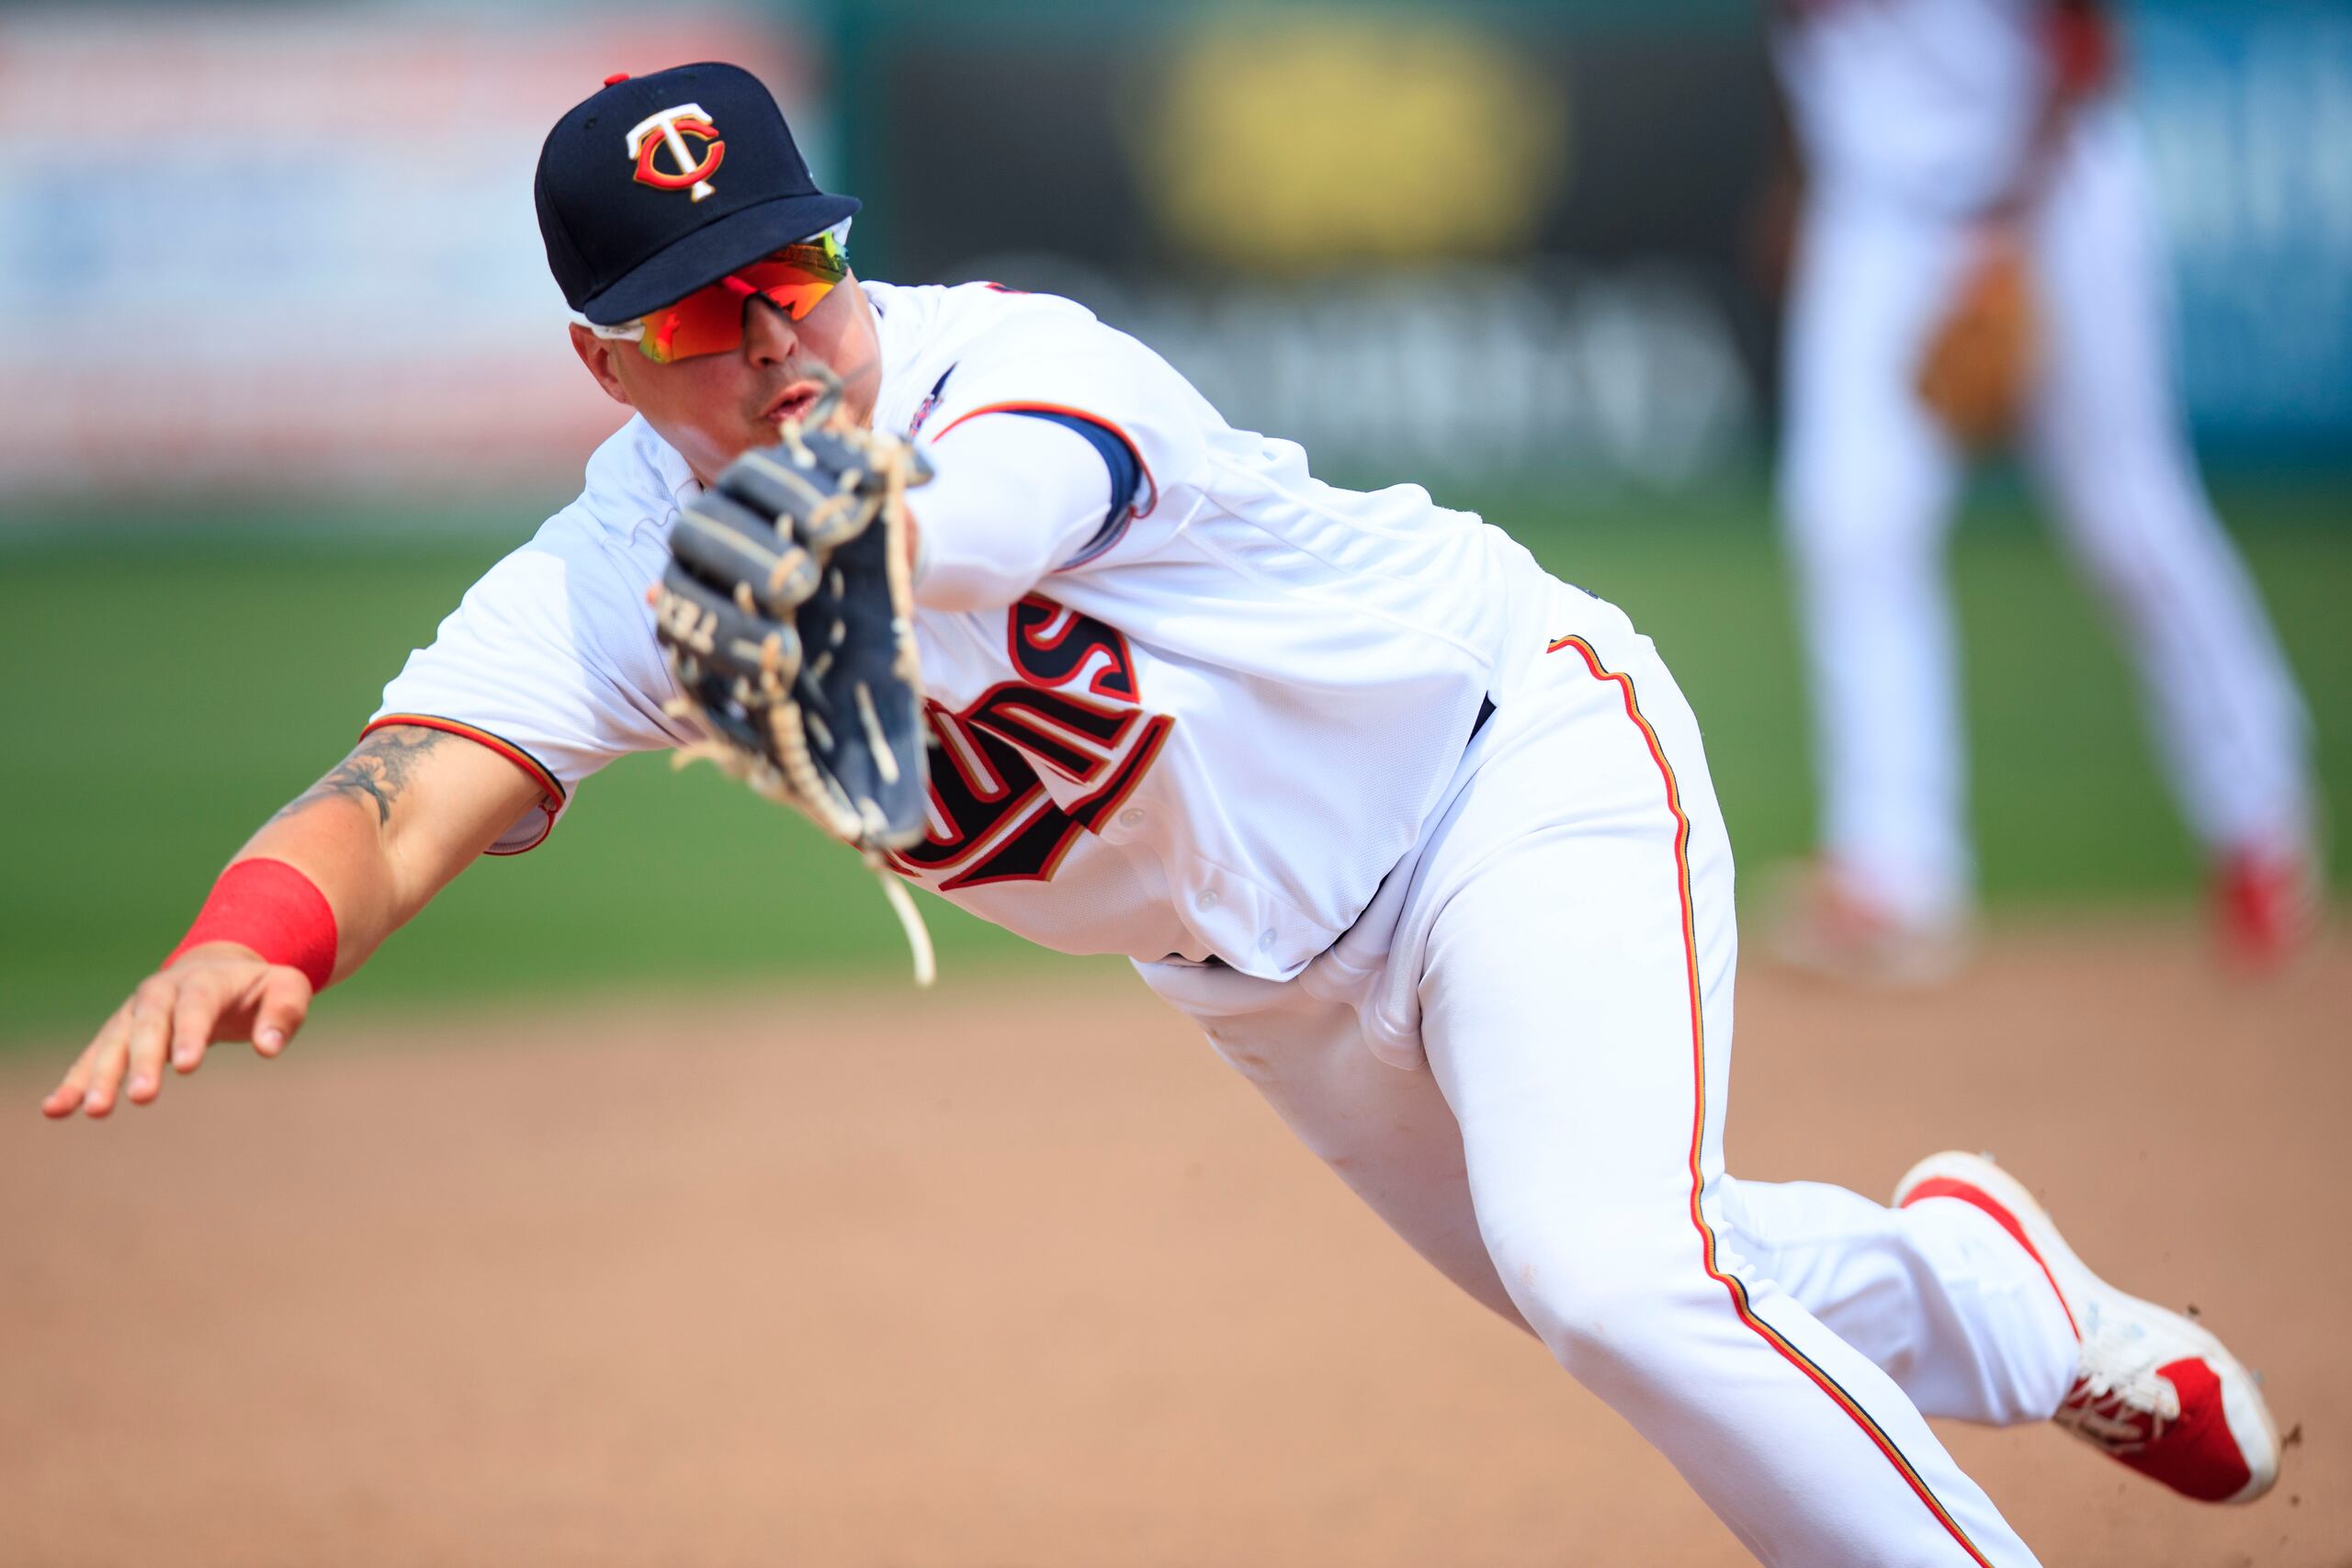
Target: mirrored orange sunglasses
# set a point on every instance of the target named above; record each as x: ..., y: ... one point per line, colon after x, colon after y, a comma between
x: 711, y: 320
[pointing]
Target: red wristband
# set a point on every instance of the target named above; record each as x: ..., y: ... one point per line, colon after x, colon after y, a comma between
x: 269, y: 906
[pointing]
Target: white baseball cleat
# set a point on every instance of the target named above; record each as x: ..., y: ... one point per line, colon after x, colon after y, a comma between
x: 2153, y: 1389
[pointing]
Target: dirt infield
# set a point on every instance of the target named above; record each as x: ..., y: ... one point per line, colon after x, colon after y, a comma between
x: 1037, y: 1281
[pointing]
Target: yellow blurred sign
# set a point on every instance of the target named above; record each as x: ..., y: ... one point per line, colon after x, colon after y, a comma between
x: 1295, y: 143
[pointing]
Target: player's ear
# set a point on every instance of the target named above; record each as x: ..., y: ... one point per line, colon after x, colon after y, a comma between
x: 597, y: 353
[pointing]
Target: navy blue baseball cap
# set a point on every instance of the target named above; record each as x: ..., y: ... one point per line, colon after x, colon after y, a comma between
x: 658, y: 184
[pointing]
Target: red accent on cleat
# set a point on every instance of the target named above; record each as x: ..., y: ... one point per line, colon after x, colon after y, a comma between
x: 2266, y: 905
x: 2153, y: 1389
x: 2195, y: 1455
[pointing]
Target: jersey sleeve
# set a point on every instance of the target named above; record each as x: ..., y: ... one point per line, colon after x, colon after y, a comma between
x: 549, y: 661
x: 1051, y: 439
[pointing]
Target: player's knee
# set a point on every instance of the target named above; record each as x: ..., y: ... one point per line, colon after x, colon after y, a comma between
x: 1612, y: 1306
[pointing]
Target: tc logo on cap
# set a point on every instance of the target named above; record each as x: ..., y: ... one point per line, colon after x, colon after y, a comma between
x: 673, y: 126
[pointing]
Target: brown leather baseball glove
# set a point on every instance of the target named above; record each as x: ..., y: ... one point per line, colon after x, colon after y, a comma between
x: 1980, y: 361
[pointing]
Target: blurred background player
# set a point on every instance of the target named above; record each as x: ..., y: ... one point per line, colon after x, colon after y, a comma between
x: 1971, y: 185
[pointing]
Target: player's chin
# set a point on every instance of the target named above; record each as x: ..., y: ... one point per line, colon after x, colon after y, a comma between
x: 749, y: 437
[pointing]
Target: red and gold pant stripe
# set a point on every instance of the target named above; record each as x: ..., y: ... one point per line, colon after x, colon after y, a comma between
x: 1731, y: 1284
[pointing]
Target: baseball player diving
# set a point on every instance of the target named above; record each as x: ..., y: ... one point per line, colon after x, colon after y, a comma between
x: 1978, y: 262
x: 1421, y: 837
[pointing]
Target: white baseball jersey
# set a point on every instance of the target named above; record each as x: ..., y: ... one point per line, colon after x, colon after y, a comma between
x: 1929, y: 103
x: 1199, y: 710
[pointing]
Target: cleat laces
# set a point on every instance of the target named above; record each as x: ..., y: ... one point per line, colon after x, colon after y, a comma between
x: 2118, y: 1401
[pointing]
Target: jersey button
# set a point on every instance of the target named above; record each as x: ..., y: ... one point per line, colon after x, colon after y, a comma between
x: 1208, y: 899
x: 1131, y: 817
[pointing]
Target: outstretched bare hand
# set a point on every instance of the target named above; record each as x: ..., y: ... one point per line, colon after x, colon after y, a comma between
x: 216, y: 992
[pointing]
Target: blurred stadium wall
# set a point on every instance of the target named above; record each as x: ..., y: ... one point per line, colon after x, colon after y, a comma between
x: 290, y: 247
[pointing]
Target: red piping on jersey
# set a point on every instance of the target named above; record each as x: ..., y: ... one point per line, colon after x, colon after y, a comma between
x: 1731, y: 1283
x: 1150, y: 485
x: 550, y: 787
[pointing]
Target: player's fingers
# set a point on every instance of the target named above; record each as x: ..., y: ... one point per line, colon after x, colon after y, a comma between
x: 70, y: 1089
x: 195, y: 1015
x: 101, y: 1066
x: 75, y: 1087
x: 285, y: 1003
x: 150, y: 1038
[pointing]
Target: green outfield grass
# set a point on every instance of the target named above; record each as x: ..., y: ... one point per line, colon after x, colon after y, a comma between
x: 163, y: 696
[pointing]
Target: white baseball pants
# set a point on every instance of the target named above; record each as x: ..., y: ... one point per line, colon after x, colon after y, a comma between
x: 1563, y: 950
x: 1869, y: 482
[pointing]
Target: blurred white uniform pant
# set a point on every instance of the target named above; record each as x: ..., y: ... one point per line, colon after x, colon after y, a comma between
x: 1566, y: 937
x: 1868, y: 485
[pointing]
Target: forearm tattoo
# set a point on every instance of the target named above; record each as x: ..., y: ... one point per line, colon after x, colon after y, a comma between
x: 377, y: 770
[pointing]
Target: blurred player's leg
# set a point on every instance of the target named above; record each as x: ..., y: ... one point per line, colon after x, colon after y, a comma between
x: 2106, y: 436
x: 1867, y: 483
x: 1578, y: 997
